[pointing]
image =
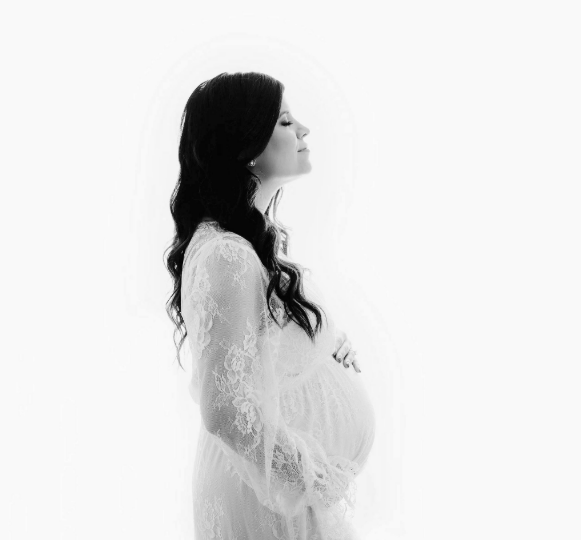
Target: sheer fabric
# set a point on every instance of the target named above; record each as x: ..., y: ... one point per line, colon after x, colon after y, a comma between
x: 285, y: 428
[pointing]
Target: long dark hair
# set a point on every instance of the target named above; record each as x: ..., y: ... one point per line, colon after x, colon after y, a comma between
x: 227, y: 121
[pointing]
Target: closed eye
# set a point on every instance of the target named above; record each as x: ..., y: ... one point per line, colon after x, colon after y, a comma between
x: 287, y: 123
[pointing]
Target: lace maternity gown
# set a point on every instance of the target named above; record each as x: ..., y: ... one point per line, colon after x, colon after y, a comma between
x: 285, y: 428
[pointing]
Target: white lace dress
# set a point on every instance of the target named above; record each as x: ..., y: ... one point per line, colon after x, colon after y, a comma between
x: 285, y: 428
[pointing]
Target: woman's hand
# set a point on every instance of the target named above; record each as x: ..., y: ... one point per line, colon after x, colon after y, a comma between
x: 344, y: 353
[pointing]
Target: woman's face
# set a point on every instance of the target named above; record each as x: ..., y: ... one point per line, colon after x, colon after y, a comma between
x: 282, y: 157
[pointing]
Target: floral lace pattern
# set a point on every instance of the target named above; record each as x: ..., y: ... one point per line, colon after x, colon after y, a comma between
x: 236, y: 386
x: 285, y: 429
x: 212, y: 512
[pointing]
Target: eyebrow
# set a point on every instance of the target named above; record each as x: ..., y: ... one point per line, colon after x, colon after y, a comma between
x: 283, y: 112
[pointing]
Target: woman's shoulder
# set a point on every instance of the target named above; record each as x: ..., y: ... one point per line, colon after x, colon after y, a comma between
x: 212, y: 241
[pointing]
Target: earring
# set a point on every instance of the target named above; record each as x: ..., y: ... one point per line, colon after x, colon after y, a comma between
x: 252, y: 163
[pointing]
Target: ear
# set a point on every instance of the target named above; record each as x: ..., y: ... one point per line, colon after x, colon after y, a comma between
x: 242, y: 158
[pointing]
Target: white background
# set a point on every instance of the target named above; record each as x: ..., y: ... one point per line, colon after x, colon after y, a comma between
x: 441, y: 218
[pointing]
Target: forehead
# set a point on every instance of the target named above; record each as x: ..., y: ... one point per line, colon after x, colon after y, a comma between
x: 284, y: 106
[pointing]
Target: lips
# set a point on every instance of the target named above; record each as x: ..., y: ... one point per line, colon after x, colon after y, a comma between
x: 305, y: 148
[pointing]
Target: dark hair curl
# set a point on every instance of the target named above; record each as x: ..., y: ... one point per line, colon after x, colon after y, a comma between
x: 227, y: 121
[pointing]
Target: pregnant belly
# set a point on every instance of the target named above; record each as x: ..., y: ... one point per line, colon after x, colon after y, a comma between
x: 333, y: 405
x: 357, y: 417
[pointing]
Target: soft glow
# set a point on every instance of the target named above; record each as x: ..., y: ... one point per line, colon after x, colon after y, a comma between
x: 441, y: 219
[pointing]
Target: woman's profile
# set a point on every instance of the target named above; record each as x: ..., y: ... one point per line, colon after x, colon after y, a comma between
x: 286, y: 423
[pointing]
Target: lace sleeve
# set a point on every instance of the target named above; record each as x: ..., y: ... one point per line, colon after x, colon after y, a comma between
x: 239, y: 396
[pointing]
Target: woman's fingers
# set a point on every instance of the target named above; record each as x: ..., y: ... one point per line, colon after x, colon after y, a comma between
x: 347, y: 356
x: 351, y: 359
x: 342, y: 351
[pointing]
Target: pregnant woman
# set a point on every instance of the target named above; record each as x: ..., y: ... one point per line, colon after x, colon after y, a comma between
x: 286, y: 423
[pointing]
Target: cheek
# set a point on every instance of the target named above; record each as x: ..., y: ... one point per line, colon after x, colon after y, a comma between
x: 284, y: 141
